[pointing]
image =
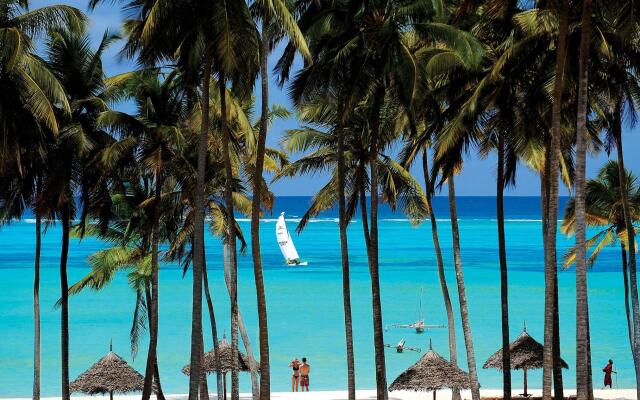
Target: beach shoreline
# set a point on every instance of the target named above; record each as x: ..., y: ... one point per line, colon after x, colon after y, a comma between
x: 370, y: 394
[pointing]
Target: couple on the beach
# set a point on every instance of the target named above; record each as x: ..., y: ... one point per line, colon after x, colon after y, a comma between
x: 300, y: 374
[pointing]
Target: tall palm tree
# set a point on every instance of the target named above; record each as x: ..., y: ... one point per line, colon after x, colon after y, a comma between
x: 204, y: 37
x: 273, y: 15
x: 604, y: 208
x: 29, y: 95
x: 79, y: 69
x: 234, y: 45
x: 462, y: 296
x: 341, y: 89
x: 583, y: 359
x: 613, y: 72
x: 369, y: 38
x: 429, y: 193
x: 550, y: 207
x: 243, y: 164
x: 348, y: 184
x: 150, y: 139
x: 20, y: 189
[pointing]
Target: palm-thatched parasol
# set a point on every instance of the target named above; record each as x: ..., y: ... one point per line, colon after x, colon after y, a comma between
x: 525, y: 353
x: 210, y: 364
x: 431, y: 373
x: 110, y: 374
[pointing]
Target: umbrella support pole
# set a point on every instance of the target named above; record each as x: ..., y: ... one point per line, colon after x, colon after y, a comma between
x: 224, y: 383
x: 434, y: 395
x: 525, y: 382
x: 111, y: 395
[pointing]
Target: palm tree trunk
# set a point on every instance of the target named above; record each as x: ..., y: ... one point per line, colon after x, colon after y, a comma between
x: 253, y: 365
x: 156, y: 371
x: 64, y: 299
x: 453, y: 354
x: 631, y: 265
x: 365, y: 216
x: 582, y: 311
x: 550, y: 219
x: 204, y: 386
x: 214, y: 328
x: 36, y: 305
x: 346, y: 281
x: 504, y: 288
x: 153, y: 318
x: 198, y: 236
x: 231, y: 236
x: 462, y: 293
x: 558, y: 387
x: 378, y: 332
x: 156, y: 378
x: 625, y: 283
x: 265, y: 379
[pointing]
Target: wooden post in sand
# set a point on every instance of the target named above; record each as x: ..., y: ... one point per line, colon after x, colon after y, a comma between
x: 525, y: 382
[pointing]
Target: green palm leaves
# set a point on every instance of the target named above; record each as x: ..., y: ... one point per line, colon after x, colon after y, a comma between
x: 30, y: 91
x: 604, y: 210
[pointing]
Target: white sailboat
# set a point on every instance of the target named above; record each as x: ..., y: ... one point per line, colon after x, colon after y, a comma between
x: 287, y: 248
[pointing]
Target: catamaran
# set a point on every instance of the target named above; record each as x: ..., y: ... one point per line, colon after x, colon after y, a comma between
x: 400, y: 347
x: 419, y: 325
x: 287, y: 248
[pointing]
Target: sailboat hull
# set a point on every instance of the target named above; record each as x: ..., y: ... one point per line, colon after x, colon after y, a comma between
x: 300, y: 264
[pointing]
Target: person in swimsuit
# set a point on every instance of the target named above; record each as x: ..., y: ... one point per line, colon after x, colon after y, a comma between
x: 304, y: 374
x: 295, y: 365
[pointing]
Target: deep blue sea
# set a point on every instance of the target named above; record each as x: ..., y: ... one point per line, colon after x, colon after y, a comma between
x: 305, y: 304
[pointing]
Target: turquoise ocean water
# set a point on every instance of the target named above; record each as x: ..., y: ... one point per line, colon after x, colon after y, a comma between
x: 305, y: 304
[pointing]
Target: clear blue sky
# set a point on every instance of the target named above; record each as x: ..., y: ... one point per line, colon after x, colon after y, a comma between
x: 477, y: 178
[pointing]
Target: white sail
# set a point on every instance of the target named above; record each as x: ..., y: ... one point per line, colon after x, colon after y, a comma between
x: 287, y: 248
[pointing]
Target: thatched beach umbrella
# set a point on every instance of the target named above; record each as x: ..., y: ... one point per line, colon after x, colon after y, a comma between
x: 431, y: 373
x: 210, y: 364
x: 525, y: 354
x: 110, y: 374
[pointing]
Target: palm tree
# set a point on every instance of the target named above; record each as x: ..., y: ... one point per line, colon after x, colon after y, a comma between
x: 583, y: 359
x: 79, y: 69
x: 613, y: 72
x: 462, y: 296
x: 243, y: 162
x: 18, y: 190
x: 338, y: 81
x: 231, y: 49
x: 351, y: 154
x: 550, y: 212
x: 273, y: 15
x: 29, y: 95
x: 150, y: 139
x: 604, y: 208
x: 411, y: 148
x: 317, y: 141
x: 204, y: 37
x: 359, y: 46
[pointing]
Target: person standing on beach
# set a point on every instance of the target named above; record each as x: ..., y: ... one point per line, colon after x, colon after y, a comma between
x: 608, y: 370
x: 304, y: 374
x: 295, y: 365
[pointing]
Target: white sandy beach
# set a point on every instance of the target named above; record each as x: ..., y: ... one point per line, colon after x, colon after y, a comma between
x: 606, y: 394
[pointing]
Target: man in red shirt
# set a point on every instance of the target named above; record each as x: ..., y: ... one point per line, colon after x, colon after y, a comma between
x: 608, y: 370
